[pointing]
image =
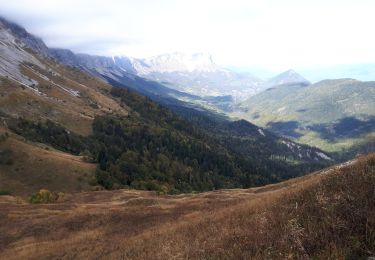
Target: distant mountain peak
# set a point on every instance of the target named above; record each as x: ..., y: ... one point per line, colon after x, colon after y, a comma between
x: 290, y: 72
x: 287, y: 77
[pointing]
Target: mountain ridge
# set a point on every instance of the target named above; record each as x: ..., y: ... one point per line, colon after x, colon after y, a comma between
x: 176, y: 62
x: 199, y: 78
x: 331, y: 114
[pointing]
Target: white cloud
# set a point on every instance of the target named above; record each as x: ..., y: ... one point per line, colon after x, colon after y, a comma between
x: 270, y: 33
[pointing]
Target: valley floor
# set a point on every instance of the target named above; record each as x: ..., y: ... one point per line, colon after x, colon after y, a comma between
x: 325, y: 214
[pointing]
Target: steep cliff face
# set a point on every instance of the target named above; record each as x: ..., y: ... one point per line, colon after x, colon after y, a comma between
x: 13, y: 53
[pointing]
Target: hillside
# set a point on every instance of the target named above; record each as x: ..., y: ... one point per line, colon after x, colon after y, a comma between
x: 334, y: 115
x: 34, y: 87
x: 154, y: 149
x: 323, y: 215
x: 26, y: 167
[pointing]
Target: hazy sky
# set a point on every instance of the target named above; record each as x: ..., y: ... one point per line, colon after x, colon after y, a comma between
x: 273, y: 34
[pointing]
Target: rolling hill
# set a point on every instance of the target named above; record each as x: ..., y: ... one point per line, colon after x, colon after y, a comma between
x: 334, y: 115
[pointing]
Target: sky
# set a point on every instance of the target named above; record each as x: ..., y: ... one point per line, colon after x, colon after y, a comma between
x: 270, y: 35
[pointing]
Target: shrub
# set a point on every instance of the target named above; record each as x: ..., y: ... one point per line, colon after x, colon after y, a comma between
x: 4, y: 137
x: 5, y: 192
x: 45, y: 196
x: 5, y: 157
x: 104, y: 179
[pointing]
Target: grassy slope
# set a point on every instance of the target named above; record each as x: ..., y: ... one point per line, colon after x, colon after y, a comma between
x: 323, y: 103
x: 37, y: 166
x: 33, y: 166
x: 325, y: 215
x: 59, y: 106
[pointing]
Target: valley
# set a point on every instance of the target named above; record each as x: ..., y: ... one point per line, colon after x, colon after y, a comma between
x: 286, y: 104
x: 133, y: 140
x: 177, y: 157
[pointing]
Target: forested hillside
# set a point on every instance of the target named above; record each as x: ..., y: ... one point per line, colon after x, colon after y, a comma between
x: 335, y: 115
x: 154, y: 149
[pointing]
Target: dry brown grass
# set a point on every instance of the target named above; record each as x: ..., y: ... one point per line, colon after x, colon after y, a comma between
x: 37, y: 166
x: 323, y: 215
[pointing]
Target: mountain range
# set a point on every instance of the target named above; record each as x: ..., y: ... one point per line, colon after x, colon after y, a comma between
x: 196, y: 74
x: 285, y: 104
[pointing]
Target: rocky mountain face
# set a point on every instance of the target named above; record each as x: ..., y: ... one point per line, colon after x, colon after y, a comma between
x: 176, y: 62
x: 199, y: 75
x: 28, y: 40
x: 195, y: 74
x: 12, y: 52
